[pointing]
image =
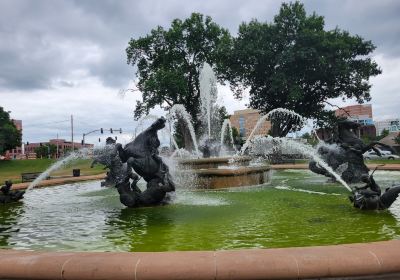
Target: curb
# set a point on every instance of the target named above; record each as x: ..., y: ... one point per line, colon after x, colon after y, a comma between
x: 351, y: 260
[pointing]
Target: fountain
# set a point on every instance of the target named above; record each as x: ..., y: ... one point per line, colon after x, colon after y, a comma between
x: 297, y: 208
x: 213, y: 171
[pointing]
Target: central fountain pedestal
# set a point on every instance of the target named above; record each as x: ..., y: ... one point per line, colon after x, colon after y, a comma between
x: 225, y: 172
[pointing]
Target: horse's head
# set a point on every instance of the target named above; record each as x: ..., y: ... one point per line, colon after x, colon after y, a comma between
x: 159, y: 124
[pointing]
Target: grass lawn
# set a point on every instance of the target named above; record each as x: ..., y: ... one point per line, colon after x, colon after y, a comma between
x: 383, y: 161
x: 12, y: 169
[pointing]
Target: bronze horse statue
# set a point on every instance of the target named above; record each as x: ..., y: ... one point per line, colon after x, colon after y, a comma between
x: 345, y: 148
x: 142, y: 155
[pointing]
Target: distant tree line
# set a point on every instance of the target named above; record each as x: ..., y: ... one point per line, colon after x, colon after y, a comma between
x: 10, y: 136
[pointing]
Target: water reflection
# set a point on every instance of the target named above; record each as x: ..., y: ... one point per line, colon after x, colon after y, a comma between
x: 9, y: 215
x: 296, y: 209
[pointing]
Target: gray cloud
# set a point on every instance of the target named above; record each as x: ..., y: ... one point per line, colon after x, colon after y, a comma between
x: 68, y: 57
x: 41, y: 39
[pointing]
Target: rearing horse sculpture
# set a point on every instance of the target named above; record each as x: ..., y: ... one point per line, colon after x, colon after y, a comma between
x: 142, y: 155
x: 348, y: 151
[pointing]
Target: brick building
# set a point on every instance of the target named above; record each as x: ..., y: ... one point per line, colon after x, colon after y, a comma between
x: 356, y: 112
x: 360, y: 113
x: 62, y: 146
x: 27, y: 151
x: 245, y: 121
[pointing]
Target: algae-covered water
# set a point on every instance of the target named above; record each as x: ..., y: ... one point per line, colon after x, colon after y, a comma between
x: 298, y: 208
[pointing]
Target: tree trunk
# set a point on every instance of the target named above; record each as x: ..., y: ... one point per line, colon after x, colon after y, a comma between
x: 185, y: 132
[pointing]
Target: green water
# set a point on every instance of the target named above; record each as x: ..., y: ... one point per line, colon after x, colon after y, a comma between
x: 297, y: 208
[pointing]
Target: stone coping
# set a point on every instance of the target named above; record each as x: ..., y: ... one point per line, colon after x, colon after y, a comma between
x: 352, y: 261
x: 242, y: 170
x: 59, y: 181
x: 214, y: 160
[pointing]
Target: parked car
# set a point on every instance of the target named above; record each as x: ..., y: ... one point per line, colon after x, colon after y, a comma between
x: 371, y: 154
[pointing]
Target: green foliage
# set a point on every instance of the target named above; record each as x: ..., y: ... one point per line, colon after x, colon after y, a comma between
x: 294, y: 63
x: 168, y: 62
x: 311, y: 140
x: 46, y: 151
x: 178, y: 136
x: 384, y: 133
x: 236, y: 136
x: 397, y: 139
x: 10, y: 137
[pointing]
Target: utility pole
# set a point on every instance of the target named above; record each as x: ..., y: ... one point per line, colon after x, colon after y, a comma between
x: 72, y: 132
x: 57, y: 147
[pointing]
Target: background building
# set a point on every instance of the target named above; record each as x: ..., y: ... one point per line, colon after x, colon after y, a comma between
x: 362, y: 114
x: 62, y: 146
x: 245, y: 120
x: 392, y: 125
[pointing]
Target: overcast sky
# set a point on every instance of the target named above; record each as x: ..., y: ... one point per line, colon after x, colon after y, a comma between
x: 59, y: 58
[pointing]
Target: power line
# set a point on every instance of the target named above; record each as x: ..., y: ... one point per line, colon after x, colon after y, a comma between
x: 41, y: 124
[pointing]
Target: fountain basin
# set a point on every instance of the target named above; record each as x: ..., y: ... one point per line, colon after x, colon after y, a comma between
x: 204, y: 163
x: 297, y: 208
x: 218, y: 178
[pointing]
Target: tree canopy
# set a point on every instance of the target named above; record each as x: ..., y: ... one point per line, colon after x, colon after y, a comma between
x: 10, y: 136
x: 294, y: 63
x: 168, y: 62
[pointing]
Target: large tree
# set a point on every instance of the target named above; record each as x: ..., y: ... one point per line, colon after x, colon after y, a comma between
x: 10, y: 136
x: 168, y: 62
x: 294, y: 63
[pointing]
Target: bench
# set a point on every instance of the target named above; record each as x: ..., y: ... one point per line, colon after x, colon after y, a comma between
x: 29, y: 177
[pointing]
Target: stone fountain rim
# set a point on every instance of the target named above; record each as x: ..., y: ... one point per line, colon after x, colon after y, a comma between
x: 375, y: 259
x: 240, y: 170
x: 215, y: 160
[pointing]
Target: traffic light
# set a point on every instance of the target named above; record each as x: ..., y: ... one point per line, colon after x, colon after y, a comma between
x: 111, y: 130
x: 101, y: 131
x: 27, y: 143
x: 99, y: 140
x: 82, y: 141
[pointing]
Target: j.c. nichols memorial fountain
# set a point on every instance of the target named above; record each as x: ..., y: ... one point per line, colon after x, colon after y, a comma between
x: 213, y: 197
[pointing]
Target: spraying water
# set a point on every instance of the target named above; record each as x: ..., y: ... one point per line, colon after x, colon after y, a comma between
x: 179, y: 110
x: 165, y: 129
x: 82, y: 153
x: 267, y: 145
x: 227, y: 124
x: 177, y: 150
x: 142, y: 120
x: 279, y: 112
x: 208, y: 93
